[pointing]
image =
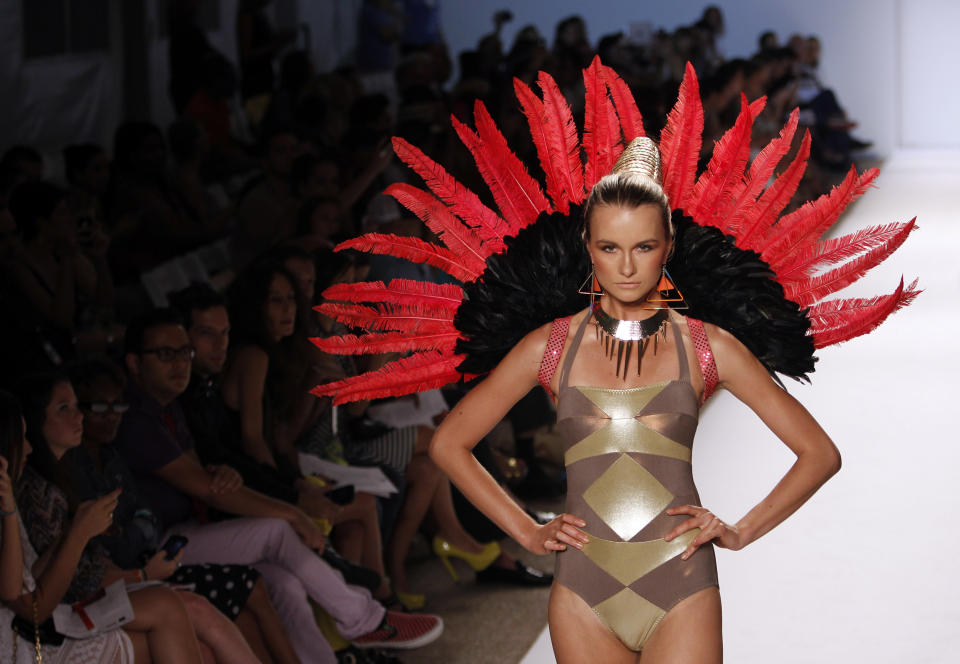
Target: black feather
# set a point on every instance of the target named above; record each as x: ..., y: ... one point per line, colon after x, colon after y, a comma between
x: 735, y: 289
x: 532, y: 282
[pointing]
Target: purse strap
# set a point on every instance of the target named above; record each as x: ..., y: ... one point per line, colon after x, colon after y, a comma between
x: 38, y: 659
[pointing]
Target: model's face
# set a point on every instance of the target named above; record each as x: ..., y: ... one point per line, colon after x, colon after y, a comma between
x: 63, y: 421
x: 628, y: 247
x: 103, y: 406
x: 163, y: 368
x: 210, y: 336
x: 280, y: 308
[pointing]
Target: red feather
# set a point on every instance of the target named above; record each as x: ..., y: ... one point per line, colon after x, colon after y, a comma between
x: 388, y: 342
x: 419, y: 372
x: 680, y: 141
x: 840, y: 249
x: 545, y: 143
x: 413, y: 249
x: 400, y: 317
x: 463, y: 202
x: 711, y: 199
x: 517, y: 194
x: 565, y: 143
x: 601, y: 127
x: 761, y: 216
x: 806, y: 225
x: 631, y: 122
x: 762, y: 168
x: 399, y: 291
x: 816, y: 288
x: 458, y: 237
x: 841, y: 320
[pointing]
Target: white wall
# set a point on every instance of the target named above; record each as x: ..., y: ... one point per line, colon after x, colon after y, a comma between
x: 929, y: 96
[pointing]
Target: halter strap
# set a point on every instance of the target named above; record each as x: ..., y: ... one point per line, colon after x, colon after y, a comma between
x: 572, y: 353
x: 551, y: 355
x: 681, y: 353
x: 708, y: 367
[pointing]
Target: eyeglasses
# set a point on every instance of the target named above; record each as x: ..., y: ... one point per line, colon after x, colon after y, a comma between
x: 101, y: 407
x: 166, y: 354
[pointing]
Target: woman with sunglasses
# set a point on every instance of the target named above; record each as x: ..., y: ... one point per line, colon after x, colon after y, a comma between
x: 32, y: 586
x: 237, y: 591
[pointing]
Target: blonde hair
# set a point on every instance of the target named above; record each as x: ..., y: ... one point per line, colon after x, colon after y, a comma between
x: 628, y: 190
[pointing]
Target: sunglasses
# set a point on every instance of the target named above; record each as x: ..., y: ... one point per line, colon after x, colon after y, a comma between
x: 101, y: 407
x: 166, y: 354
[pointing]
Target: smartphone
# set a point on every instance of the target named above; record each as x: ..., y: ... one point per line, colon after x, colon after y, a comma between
x: 173, y: 545
x: 341, y: 495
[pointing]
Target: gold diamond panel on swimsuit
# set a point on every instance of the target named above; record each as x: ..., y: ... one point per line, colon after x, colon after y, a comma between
x: 628, y: 561
x: 627, y: 512
x: 624, y: 433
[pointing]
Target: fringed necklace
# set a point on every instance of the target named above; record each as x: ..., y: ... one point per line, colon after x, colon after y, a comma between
x: 618, y: 335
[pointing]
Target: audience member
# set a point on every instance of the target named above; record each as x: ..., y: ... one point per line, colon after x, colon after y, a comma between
x: 278, y: 539
x: 161, y: 626
x: 237, y: 591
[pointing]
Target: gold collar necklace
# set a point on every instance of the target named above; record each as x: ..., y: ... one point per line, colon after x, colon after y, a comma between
x: 619, y: 335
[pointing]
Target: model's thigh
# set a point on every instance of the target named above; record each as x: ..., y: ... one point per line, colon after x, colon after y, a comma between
x: 690, y: 633
x: 578, y: 635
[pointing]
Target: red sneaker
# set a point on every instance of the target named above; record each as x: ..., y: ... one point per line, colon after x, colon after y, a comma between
x: 403, y: 630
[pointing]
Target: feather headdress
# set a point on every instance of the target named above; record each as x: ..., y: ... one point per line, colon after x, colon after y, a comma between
x: 758, y: 274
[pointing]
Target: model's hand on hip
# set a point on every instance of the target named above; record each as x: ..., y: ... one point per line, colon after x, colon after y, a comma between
x: 711, y: 528
x: 557, y: 534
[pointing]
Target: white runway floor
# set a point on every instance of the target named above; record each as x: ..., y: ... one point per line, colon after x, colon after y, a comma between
x: 869, y: 569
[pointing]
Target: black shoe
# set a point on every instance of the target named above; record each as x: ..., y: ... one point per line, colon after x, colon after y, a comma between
x: 354, y: 574
x: 519, y: 575
x: 353, y: 655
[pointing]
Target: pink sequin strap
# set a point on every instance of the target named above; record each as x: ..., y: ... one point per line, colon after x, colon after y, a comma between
x: 708, y: 367
x: 551, y: 356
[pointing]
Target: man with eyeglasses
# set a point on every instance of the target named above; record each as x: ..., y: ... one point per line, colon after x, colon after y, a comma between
x: 276, y: 537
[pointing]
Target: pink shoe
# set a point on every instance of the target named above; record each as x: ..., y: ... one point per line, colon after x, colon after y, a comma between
x: 403, y: 630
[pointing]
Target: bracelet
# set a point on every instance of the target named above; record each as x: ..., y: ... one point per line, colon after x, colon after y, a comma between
x: 4, y: 513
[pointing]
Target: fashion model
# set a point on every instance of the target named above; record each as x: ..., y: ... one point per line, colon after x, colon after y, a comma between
x: 692, y: 283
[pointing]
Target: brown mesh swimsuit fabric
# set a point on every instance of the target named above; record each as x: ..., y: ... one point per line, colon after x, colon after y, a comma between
x: 627, y: 454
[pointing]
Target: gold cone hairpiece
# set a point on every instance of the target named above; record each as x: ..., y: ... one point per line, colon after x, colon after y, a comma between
x: 640, y: 157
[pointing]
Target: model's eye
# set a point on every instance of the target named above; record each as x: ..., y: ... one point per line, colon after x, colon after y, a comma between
x: 608, y: 248
x: 644, y: 248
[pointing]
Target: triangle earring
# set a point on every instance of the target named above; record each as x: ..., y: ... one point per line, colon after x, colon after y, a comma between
x: 594, y: 289
x: 666, y: 295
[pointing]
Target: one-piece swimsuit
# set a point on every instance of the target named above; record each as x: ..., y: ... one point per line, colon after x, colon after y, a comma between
x: 627, y: 454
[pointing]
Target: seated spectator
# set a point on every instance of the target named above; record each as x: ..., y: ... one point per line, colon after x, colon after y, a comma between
x: 95, y: 468
x: 87, y: 170
x: 161, y: 630
x: 24, y: 161
x: 276, y: 538
x: 216, y: 430
x: 150, y: 221
x: 62, y: 273
x: 209, y: 203
x: 266, y: 213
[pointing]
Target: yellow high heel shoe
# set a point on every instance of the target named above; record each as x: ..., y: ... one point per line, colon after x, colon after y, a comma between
x: 478, y: 561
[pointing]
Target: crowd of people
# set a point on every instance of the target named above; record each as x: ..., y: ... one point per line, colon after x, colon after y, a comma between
x: 132, y: 414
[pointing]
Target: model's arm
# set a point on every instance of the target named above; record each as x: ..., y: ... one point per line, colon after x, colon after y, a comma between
x: 11, y: 555
x: 817, y: 457
x: 471, y: 420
